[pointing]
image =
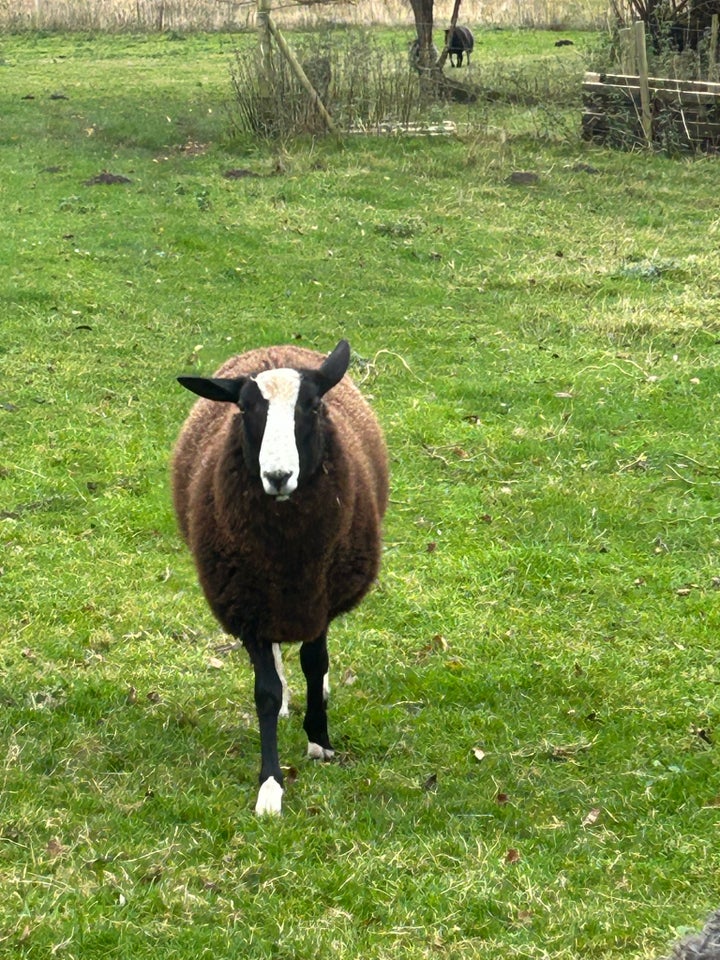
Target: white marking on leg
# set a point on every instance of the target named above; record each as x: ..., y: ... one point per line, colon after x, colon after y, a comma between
x: 279, y: 456
x: 269, y: 798
x: 316, y: 752
x: 326, y: 687
x: 285, y: 705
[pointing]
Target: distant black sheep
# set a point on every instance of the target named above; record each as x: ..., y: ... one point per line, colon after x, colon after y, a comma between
x: 460, y: 42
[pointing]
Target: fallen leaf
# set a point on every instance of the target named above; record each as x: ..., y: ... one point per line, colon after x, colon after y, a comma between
x: 290, y: 774
x: 502, y: 799
x: 702, y: 733
x: 512, y: 856
x: 436, y: 644
x: 152, y: 876
x: 54, y: 848
x: 565, y: 752
x: 591, y: 817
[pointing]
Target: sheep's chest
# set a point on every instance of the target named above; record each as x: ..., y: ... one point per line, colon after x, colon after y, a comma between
x: 274, y: 588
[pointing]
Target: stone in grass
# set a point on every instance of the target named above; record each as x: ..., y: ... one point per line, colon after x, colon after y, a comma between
x: 525, y: 178
x: 584, y: 168
x: 239, y: 174
x: 106, y: 177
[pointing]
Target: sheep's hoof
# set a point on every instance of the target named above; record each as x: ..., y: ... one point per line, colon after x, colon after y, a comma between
x: 269, y: 798
x: 316, y: 752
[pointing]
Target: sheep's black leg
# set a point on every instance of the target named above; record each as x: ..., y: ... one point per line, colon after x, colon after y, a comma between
x: 314, y: 662
x: 268, y: 700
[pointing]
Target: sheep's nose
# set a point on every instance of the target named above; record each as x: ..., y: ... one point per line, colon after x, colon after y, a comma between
x: 275, y: 481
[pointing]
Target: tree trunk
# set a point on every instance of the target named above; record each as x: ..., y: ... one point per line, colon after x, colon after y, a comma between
x: 423, y: 12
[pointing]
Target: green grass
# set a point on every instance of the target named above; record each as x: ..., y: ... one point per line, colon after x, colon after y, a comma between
x: 544, y: 360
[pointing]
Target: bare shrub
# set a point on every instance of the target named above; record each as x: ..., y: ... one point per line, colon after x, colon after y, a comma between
x: 361, y: 82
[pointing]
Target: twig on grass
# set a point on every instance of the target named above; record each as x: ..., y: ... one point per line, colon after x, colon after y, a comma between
x: 371, y: 365
x: 432, y: 452
x: 604, y: 366
x: 698, y: 463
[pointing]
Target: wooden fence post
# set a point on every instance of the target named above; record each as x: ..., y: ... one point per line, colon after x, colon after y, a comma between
x: 265, y: 61
x: 645, y: 108
x: 626, y: 42
x: 297, y: 69
x: 712, y: 66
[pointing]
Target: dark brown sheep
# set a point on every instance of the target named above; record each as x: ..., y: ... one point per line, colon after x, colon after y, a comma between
x: 458, y: 42
x: 280, y: 483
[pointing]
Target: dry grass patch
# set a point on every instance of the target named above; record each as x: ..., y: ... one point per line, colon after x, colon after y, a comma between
x: 230, y: 14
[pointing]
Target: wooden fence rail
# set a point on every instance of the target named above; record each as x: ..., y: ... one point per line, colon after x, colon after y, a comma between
x: 632, y: 108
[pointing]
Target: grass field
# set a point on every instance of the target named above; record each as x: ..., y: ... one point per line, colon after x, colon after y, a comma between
x: 526, y: 707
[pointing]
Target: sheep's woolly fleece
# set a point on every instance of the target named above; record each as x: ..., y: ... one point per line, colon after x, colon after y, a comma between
x: 700, y: 946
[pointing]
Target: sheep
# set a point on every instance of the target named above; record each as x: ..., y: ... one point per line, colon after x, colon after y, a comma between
x: 280, y: 484
x: 458, y: 42
x: 701, y: 946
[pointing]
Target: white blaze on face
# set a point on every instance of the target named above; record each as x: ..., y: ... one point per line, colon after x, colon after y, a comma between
x: 279, y: 458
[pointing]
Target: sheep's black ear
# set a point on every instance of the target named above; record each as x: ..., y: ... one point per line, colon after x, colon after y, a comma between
x: 214, y: 388
x: 333, y: 368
